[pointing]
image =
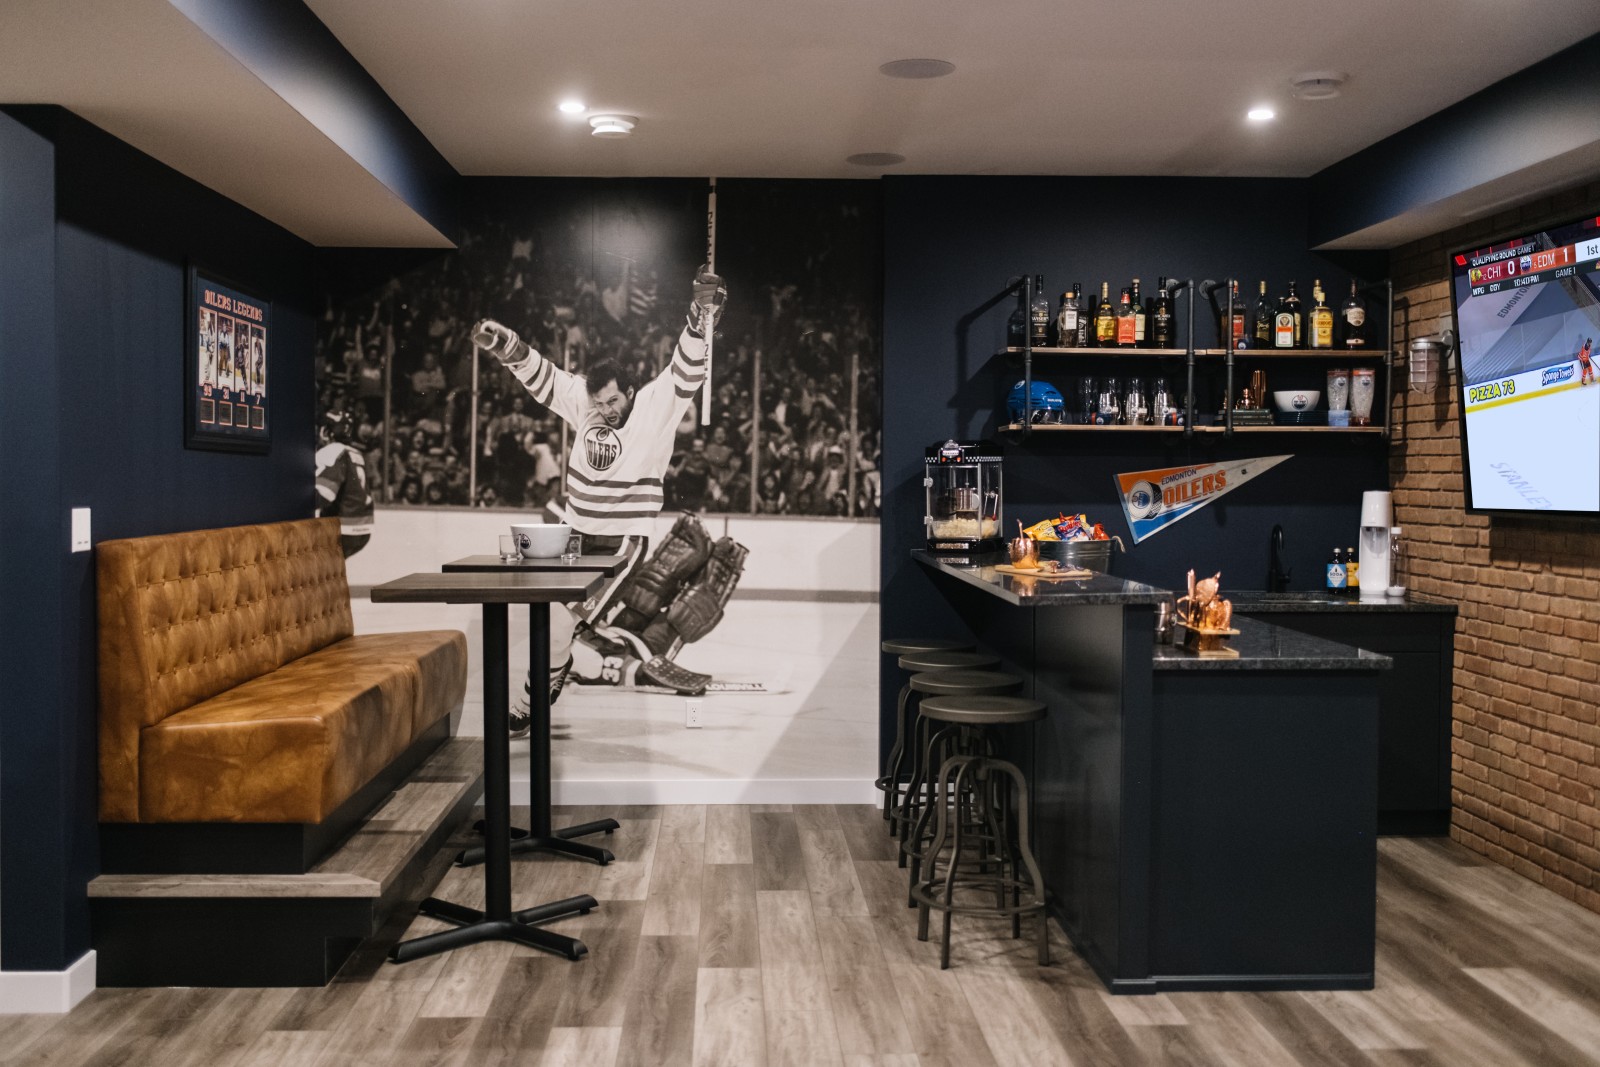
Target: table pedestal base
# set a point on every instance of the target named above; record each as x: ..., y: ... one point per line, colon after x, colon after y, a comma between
x: 560, y: 841
x: 476, y: 926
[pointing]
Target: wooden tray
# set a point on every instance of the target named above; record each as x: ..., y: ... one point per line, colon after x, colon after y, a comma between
x: 1078, y: 574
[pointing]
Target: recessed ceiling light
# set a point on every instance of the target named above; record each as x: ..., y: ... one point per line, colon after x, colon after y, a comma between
x: 571, y: 107
x: 1260, y: 114
x: 1317, y: 84
x: 875, y: 159
x: 612, y: 125
x: 917, y: 68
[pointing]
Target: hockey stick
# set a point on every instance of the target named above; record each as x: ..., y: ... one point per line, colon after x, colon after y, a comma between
x: 708, y: 318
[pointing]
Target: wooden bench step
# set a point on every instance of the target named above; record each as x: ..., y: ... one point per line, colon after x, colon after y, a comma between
x: 286, y: 929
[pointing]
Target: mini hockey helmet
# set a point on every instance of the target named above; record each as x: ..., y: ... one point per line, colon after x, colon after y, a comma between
x: 1045, y: 402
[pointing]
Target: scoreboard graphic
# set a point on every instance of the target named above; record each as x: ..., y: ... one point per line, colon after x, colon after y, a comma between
x: 226, y: 399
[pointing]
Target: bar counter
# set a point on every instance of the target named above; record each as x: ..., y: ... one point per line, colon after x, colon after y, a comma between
x: 1200, y: 823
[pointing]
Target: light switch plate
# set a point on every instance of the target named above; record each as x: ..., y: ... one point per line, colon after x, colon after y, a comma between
x: 80, y: 530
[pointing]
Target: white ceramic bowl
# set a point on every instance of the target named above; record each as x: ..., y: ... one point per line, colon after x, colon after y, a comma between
x: 1296, y: 399
x: 541, y: 540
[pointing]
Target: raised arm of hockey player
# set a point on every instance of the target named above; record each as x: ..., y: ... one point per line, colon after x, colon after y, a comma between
x: 689, y: 357
x: 561, y: 391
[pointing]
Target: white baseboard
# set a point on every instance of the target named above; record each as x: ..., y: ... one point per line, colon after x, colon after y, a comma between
x: 47, y: 992
x: 707, y: 791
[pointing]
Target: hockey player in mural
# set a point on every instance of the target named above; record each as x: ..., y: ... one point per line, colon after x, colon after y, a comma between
x: 631, y: 631
x: 342, y: 488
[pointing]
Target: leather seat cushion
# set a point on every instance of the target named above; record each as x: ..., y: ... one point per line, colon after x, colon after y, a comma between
x: 295, y: 743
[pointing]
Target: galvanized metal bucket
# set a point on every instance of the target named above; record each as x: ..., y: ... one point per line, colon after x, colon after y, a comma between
x: 1090, y: 555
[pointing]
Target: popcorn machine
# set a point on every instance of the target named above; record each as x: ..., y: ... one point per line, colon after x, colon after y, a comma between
x: 961, y: 490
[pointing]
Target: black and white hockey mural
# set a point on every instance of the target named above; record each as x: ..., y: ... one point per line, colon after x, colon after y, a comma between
x: 686, y: 372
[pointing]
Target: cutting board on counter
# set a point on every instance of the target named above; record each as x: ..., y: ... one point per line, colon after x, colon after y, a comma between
x: 1077, y: 574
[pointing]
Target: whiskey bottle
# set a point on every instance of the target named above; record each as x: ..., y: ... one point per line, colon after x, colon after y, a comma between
x: 1105, y: 319
x: 1125, y: 323
x: 1283, y: 324
x: 1237, y: 330
x: 1085, y: 335
x: 1293, y: 300
x: 1039, y: 313
x: 1067, y: 318
x: 1321, y: 320
x: 1161, y: 321
x: 1263, y: 324
x: 1017, y: 325
x: 1141, y: 319
x: 1354, y: 314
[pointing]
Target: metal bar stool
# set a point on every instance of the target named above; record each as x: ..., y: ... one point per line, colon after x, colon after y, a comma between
x: 907, y: 761
x: 919, y: 809
x: 980, y: 816
x: 901, y: 646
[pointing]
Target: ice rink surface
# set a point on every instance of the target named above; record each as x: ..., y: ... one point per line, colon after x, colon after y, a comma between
x: 813, y: 733
x: 1544, y: 448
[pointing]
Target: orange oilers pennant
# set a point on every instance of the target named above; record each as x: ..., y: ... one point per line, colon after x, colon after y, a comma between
x: 1154, y: 500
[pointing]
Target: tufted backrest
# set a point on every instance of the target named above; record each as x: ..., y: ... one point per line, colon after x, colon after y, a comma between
x: 186, y: 616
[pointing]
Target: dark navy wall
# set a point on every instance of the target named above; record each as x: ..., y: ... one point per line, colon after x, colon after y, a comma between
x: 93, y: 400
x: 953, y: 243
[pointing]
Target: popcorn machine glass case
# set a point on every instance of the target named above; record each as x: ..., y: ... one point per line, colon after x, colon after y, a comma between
x: 961, y: 486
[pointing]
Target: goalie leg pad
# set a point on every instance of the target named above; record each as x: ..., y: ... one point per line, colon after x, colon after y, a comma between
x: 698, y: 608
x: 684, y: 551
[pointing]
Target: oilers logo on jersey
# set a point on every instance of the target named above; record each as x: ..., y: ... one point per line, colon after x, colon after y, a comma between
x: 601, y: 447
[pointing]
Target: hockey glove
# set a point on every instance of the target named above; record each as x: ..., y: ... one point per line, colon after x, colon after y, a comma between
x: 709, y: 293
x: 499, y: 341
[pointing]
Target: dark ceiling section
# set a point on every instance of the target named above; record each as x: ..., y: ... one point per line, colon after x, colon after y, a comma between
x: 1549, y: 110
x: 285, y: 45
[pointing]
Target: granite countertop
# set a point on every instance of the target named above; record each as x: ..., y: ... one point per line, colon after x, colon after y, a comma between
x: 1029, y: 592
x: 1265, y: 647
x: 1254, y: 600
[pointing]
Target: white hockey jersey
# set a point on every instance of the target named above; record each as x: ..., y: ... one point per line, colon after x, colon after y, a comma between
x: 614, y: 475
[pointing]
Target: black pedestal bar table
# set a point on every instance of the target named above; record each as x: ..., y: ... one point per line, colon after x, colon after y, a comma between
x: 539, y: 837
x: 495, y: 591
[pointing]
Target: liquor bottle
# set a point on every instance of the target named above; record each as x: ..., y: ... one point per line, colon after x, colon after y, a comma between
x: 1105, y: 319
x: 1067, y: 318
x: 1141, y: 319
x: 1264, y: 316
x: 1161, y: 321
x: 1283, y: 324
x: 1238, y: 317
x: 1293, y: 300
x: 1321, y: 332
x: 1352, y: 574
x: 1336, y: 575
x: 1017, y: 326
x: 1039, y: 313
x: 1354, y: 313
x: 1125, y: 323
x: 1085, y: 335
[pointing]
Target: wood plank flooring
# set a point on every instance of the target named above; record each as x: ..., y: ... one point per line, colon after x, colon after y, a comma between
x: 772, y: 936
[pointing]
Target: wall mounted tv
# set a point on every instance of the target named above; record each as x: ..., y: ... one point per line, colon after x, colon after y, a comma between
x: 1527, y: 314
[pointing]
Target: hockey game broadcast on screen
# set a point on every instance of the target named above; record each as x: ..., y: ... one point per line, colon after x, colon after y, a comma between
x: 1527, y: 315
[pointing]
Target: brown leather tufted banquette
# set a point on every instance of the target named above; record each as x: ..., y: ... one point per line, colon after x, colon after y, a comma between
x: 232, y: 689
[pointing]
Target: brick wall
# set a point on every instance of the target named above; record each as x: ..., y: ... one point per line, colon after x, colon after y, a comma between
x: 1525, y: 774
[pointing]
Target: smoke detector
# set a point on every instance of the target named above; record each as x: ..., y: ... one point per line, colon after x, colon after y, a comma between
x: 612, y: 125
x: 1318, y: 85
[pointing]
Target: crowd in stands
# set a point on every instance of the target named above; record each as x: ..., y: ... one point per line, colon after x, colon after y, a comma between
x: 790, y: 451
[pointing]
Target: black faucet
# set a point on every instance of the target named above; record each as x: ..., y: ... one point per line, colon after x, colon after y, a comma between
x: 1277, y: 574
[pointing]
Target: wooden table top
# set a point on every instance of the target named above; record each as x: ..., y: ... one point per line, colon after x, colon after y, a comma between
x: 610, y: 566
x: 479, y: 587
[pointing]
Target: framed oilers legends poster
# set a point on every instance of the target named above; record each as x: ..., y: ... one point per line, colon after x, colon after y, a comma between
x: 226, y: 384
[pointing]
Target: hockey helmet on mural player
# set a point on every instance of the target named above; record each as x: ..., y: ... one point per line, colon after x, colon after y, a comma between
x: 1045, y: 402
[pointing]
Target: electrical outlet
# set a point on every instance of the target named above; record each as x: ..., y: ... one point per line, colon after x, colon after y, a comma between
x: 80, y: 530
x: 691, y: 715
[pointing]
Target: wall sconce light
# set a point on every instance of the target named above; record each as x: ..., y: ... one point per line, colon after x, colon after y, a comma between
x: 1427, y: 353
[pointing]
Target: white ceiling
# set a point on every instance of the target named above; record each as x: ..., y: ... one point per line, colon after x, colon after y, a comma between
x: 789, y: 88
x: 776, y: 88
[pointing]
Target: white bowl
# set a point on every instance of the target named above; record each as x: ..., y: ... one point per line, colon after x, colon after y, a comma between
x: 541, y: 540
x: 1296, y: 399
